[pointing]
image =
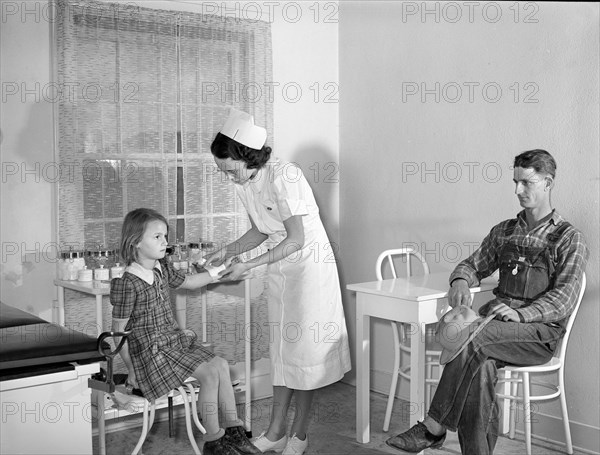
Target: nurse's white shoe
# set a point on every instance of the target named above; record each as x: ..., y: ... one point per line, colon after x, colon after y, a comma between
x: 295, y: 446
x: 265, y: 445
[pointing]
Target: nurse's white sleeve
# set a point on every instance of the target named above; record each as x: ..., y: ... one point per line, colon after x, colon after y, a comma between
x: 290, y: 191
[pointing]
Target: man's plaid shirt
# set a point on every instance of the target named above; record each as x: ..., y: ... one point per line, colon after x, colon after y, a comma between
x: 572, y: 254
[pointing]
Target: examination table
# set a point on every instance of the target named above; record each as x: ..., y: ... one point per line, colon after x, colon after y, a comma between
x: 44, y: 392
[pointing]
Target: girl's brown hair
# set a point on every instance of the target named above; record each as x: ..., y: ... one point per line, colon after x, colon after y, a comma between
x: 133, y: 229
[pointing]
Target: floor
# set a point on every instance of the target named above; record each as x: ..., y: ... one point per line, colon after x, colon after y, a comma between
x: 332, y: 432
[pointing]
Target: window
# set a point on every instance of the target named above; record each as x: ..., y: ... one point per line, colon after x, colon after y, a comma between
x: 143, y: 92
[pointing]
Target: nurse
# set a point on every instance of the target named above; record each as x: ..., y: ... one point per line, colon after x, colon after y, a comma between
x: 308, y: 337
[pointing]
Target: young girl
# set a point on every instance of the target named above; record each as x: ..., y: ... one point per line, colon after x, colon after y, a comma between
x: 310, y: 344
x: 159, y: 355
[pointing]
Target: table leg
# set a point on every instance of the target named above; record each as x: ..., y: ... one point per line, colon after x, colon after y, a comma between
x: 417, y: 374
x: 61, y: 305
x: 248, y: 357
x: 99, y: 317
x: 363, y: 337
x: 204, y: 302
x: 100, y: 403
x: 101, y: 423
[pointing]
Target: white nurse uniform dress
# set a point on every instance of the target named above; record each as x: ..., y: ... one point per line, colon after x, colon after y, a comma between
x: 308, y: 340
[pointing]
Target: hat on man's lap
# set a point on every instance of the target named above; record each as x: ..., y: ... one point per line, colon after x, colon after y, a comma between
x: 457, y: 328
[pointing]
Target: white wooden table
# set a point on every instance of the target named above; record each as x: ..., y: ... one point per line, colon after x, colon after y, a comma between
x: 417, y: 300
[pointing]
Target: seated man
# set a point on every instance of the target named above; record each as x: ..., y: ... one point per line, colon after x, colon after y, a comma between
x: 541, y: 259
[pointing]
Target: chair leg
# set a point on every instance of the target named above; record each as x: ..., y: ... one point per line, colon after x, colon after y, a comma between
x: 565, y: 413
x: 428, y: 375
x: 194, y: 408
x: 514, y: 388
x: 170, y: 402
x: 145, y: 427
x: 506, y: 404
x: 527, y: 406
x: 188, y: 423
x: 395, y: 372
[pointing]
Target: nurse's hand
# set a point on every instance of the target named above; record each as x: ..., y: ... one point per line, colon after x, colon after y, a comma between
x: 234, y: 271
x: 216, y: 258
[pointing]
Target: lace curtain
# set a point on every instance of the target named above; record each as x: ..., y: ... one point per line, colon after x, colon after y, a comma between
x: 143, y: 93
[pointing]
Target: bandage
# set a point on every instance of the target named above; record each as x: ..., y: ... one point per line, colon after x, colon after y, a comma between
x: 214, y: 270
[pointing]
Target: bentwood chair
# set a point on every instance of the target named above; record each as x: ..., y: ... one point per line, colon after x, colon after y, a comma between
x: 513, y: 376
x: 387, y: 260
x: 189, y: 397
x: 110, y: 395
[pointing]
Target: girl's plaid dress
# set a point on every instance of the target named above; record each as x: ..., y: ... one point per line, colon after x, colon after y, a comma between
x: 163, y: 355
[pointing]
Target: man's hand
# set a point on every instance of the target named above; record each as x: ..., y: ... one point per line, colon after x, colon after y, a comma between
x: 459, y: 293
x: 504, y: 313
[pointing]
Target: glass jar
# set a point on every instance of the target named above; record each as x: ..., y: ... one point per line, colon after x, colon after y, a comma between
x: 183, y: 257
x: 195, y: 253
x: 77, y: 264
x: 72, y: 270
x: 69, y: 264
x: 101, y: 274
x: 100, y: 256
x: 62, y: 267
x: 117, y: 271
x: 84, y: 274
x: 172, y: 255
x: 103, y: 257
x: 90, y: 259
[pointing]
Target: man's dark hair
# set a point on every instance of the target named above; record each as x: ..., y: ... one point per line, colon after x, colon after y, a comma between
x: 538, y: 159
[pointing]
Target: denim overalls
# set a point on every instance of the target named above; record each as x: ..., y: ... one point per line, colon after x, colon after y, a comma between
x: 526, y: 272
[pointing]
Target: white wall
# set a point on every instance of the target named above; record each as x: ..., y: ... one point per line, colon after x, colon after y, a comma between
x: 436, y: 172
x: 28, y: 172
x: 305, y: 57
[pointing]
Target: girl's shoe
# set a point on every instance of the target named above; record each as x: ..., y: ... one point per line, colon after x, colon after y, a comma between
x: 295, y: 446
x: 264, y: 445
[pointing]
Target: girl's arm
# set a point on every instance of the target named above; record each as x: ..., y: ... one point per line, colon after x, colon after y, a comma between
x: 250, y: 240
x: 293, y: 242
x: 118, y: 325
x: 196, y: 281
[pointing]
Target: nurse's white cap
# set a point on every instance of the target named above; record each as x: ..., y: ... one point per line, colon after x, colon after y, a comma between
x: 241, y: 128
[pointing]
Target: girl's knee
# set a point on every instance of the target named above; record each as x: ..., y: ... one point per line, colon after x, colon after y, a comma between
x: 210, y: 373
x: 207, y: 374
x: 221, y: 365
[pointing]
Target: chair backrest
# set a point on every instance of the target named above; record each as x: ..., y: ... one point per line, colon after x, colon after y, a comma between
x: 562, y: 348
x: 388, y: 256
